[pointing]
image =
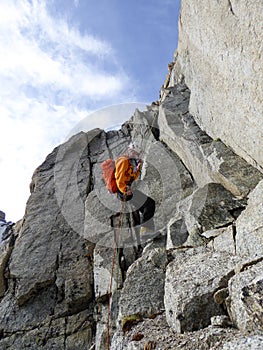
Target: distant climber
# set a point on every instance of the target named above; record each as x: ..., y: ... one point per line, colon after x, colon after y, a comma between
x: 127, y: 170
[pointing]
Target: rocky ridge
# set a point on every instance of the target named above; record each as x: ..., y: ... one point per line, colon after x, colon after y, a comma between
x: 197, y: 285
x: 199, y: 282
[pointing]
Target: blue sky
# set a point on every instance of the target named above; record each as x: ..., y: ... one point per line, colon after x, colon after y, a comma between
x: 142, y: 35
x: 61, y: 60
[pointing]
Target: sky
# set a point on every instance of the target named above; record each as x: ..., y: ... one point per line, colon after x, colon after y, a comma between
x: 63, y: 60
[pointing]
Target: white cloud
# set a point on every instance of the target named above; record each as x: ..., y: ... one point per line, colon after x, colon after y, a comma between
x: 25, y: 141
x: 108, y: 118
x: 40, y: 50
x: 51, y: 75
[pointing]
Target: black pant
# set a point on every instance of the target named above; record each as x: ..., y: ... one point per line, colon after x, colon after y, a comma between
x: 144, y: 204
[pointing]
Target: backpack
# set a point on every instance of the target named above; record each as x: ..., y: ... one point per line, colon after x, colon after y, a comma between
x: 108, y: 173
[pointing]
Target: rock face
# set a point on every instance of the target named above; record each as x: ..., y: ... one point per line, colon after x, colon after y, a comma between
x: 220, y: 56
x: 190, y: 287
x: 74, y: 272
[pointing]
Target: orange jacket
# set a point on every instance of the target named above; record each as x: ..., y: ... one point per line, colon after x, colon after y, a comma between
x: 124, y: 173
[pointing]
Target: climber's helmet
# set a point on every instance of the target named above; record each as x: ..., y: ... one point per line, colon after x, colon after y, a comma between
x: 134, y: 150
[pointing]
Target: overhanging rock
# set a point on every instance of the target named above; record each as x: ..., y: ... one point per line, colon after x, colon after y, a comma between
x: 208, y: 160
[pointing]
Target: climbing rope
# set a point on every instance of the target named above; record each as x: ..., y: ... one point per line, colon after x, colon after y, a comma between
x: 116, y: 241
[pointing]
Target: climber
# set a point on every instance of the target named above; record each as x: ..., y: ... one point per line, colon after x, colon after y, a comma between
x: 128, y: 169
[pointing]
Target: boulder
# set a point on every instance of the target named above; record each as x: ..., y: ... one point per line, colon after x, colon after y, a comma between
x: 245, y: 299
x: 177, y: 233
x: 208, y: 208
x: 143, y: 290
x: 249, y: 226
x: 192, y: 279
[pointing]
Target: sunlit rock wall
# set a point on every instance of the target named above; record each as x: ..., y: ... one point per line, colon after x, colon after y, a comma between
x: 220, y: 56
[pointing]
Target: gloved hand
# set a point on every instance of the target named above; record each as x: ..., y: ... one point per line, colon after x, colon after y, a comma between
x: 128, y: 193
